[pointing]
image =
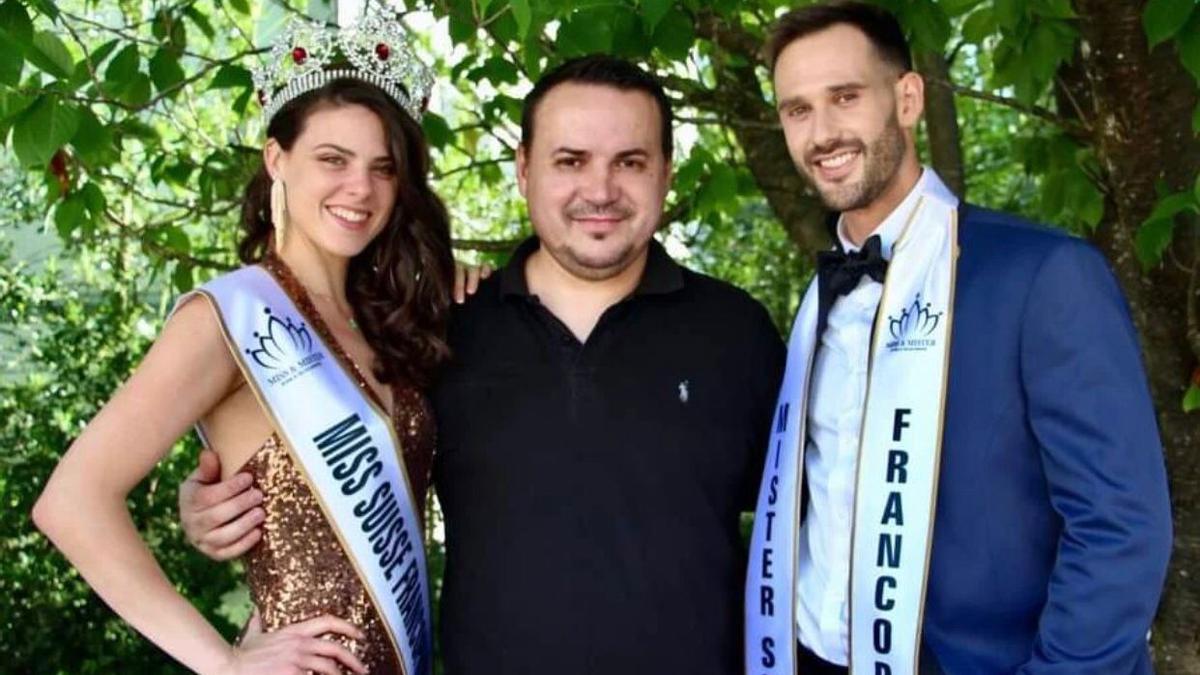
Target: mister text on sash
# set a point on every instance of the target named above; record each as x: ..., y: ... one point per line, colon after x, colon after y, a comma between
x: 343, y: 444
x: 898, y: 459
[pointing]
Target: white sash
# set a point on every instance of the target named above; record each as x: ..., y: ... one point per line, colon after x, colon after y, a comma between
x: 343, y: 444
x: 898, y: 459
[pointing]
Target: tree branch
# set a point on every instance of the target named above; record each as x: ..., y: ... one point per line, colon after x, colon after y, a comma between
x: 1071, y: 127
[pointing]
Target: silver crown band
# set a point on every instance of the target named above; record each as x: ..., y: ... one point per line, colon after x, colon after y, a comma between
x: 315, y: 80
x: 376, y: 50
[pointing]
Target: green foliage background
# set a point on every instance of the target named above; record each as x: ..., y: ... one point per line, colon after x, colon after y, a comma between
x: 129, y: 129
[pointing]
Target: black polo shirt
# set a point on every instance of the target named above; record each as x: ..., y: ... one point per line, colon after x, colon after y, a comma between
x: 592, y: 490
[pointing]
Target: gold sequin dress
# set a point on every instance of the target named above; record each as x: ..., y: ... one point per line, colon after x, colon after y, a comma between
x: 298, y: 570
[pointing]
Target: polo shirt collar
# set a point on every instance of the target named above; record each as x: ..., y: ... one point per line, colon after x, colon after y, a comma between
x: 662, y: 274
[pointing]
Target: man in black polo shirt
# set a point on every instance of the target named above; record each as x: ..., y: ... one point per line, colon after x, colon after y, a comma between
x: 602, y: 424
x: 605, y: 415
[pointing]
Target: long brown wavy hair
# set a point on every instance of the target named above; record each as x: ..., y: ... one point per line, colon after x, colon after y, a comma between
x: 399, y: 285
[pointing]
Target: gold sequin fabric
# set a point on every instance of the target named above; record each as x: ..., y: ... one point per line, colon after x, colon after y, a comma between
x: 298, y: 569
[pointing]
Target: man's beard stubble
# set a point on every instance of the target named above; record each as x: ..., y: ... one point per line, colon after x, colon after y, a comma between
x: 881, y: 161
x: 591, y: 267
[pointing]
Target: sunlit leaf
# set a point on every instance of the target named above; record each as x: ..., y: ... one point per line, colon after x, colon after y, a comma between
x: 49, y: 54
x: 523, y: 16
x: 1191, y: 399
x: 42, y: 129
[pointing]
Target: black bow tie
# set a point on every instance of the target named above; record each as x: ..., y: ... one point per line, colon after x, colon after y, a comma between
x: 839, y: 272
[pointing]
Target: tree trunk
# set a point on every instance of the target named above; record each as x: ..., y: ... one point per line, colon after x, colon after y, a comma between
x: 754, y: 123
x: 941, y: 121
x: 1140, y: 108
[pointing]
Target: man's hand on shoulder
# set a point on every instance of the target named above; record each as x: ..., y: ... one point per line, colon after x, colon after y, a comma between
x: 221, y: 518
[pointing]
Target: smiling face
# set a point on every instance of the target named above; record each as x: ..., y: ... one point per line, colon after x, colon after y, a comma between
x: 595, y: 177
x: 847, y: 114
x: 341, y: 180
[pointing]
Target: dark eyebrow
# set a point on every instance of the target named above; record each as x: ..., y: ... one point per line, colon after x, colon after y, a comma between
x: 636, y: 152
x: 569, y: 151
x: 845, y: 86
x: 349, y: 152
x: 334, y: 146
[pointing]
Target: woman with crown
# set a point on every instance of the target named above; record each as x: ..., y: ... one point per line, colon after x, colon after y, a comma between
x: 302, y: 369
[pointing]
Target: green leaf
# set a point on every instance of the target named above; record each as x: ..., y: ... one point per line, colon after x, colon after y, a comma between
x: 49, y: 54
x: 1054, y: 9
x: 1191, y: 399
x: 1162, y: 19
x: 93, y: 199
x: 15, y: 27
x: 586, y: 31
x: 675, y: 35
x: 183, y: 278
x: 230, y: 76
x: 461, y: 30
x: 136, y: 91
x: 11, y: 65
x: 1009, y: 13
x: 929, y: 25
x: 165, y: 70
x: 1171, y: 205
x: 93, y: 141
x: 437, y: 131
x: 1188, y: 43
x: 719, y: 191
x: 42, y: 129
x: 497, y: 70
x: 240, y: 6
x: 653, y: 11
x: 629, y: 38
x: 69, y: 215
x: 523, y: 16
x: 1153, y: 237
x: 200, y: 20
x: 979, y: 25
x: 1196, y: 120
x: 123, y: 66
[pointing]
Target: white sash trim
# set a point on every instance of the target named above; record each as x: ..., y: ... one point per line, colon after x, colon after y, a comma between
x: 344, y: 445
x: 896, y: 488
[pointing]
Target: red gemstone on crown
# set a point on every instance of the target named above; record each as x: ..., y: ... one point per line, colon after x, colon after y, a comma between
x: 299, y: 55
x: 382, y: 51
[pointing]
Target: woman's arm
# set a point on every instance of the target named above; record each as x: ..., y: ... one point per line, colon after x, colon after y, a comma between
x: 82, y: 508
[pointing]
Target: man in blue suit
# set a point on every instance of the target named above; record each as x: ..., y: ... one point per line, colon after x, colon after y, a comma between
x: 964, y: 473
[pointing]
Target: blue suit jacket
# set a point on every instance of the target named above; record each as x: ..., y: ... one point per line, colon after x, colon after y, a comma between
x: 1053, y: 525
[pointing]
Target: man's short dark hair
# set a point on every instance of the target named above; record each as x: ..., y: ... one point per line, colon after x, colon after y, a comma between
x: 880, y: 27
x: 603, y: 70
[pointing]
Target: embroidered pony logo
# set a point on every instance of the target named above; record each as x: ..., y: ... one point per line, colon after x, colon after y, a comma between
x: 911, y: 330
x: 283, y: 345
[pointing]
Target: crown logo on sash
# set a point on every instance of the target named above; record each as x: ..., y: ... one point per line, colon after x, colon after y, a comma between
x: 916, y: 321
x: 375, y: 49
x: 282, y: 345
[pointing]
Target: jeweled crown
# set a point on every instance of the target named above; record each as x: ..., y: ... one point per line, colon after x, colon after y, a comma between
x: 308, y: 55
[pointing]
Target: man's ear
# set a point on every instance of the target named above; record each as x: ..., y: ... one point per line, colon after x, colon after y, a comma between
x: 522, y: 168
x: 273, y: 158
x: 910, y: 99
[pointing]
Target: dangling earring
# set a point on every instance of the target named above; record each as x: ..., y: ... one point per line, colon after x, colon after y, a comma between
x: 279, y: 211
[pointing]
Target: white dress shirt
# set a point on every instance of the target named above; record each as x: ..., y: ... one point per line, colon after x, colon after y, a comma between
x: 837, y: 393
